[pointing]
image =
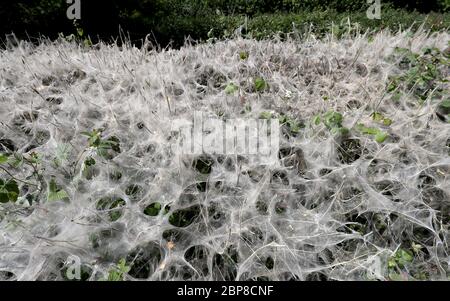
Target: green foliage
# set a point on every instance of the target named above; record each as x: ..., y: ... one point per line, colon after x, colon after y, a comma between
x: 9, y: 191
x: 293, y: 125
x: 445, y: 104
x: 16, y: 160
x: 79, y: 35
x: 332, y: 121
x: 112, y: 206
x: 171, y: 21
x: 243, y: 55
x: 55, y: 193
x: 62, y: 154
x: 104, y: 147
x: 443, y: 110
x: 379, y: 135
x: 118, y: 272
x: 316, y: 119
x: 153, y: 209
x: 3, y: 158
x: 399, y: 260
x: 89, y: 161
x: 421, y: 72
x: 94, y: 137
x: 378, y: 117
x: 260, y: 84
x: 231, y: 88
x: 88, y: 170
x: 184, y: 217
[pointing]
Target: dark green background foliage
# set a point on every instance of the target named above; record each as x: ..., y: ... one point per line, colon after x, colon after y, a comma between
x: 173, y: 20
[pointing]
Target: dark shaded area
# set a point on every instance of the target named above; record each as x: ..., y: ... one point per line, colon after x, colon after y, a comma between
x: 171, y: 21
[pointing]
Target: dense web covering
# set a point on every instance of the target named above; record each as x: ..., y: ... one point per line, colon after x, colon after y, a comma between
x: 331, y: 205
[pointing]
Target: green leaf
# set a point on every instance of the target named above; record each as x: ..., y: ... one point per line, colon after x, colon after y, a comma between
x: 400, y: 258
x: 243, y: 55
x: 366, y: 130
x: 377, y: 116
x: 16, y: 161
x: 445, y: 104
x: 3, y: 158
x: 392, y: 86
x: 123, y: 267
x: 416, y: 247
x: 380, y: 137
x: 80, y: 31
x: 260, y: 84
x: 118, y: 272
x: 387, y: 121
x: 55, y: 193
x: 392, y: 263
x: 84, y: 133
x: 231, y: 88
x: 294, y: 126
x: 34, y: 158
x: 9, y: 191
x: 94, y: 139
x: 316, y: 119
x: 152, y: 209
x: 333, y: 119
x: 89, y: 161
x: 396, y: 97
x: 340, y: 131
x: 62, y: 153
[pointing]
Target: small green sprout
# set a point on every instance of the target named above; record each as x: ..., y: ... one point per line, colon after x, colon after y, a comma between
x: 243, y: 55
x: 118, y: 272
x: 260, y: 84
x: 231, y: 88
x: 94, y: 137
